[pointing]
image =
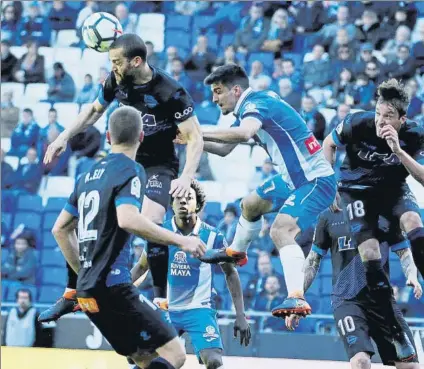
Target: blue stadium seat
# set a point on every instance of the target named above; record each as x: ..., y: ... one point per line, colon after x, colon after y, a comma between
x: 227, y: 39
x: 213, y: 208
x: 244, y: 279
x: 53, y: 257
x: 180, y: 22
x: 8, y: 202
x: 179, y: 39
x: 208, y: 115
x: 276, y: 264
x: 326, y: 268
x: 49, y: 294
x: 325, y: 305
x: 30, y: 203
x: 315, y: 288
x: 4, y: 255
x: 326, y: 285
x: 49, y: 220
x: 396, y: 273
x: 7, y: 219
x: 55, y: 204
x: 48, y: 240
x: 200, y: 21
x: 30, y: 219
x: 219, y: 283
x: 14, y: 287
x: 250, y: 267
x: 54, y: 276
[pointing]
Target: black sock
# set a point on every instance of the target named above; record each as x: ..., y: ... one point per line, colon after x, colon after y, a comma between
x: 416, y: 237
x: 379, y: 286
x: 160, y: 363
x: 72, y: 278
x: 157, y: 257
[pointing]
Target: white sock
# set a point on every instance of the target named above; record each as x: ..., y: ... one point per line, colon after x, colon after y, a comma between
x: 292, y: 259
x: 246, y: 232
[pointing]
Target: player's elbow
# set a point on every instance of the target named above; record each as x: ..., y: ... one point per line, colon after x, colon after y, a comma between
x: 329, y: 143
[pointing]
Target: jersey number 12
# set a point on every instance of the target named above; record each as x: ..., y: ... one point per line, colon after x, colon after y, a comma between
x: 89, y: 201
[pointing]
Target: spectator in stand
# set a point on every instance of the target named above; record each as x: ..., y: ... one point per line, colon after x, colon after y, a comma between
x: 228, y: 224
x: 90, y: 8
x: 253, y: 31
x: 371, y: 30
x: 8, y: 62
x: 201, y: 60
x: 103, y: 74
x: 7, y: 173
x: 420, y: 118
x: 256, y: 285
x: 123, y: 15
x: 313, y: 118
x: 262, y: 174
x: 373, y: 71
x: 21, y: 326
x: 59, y: 165
x: 403, y: 67
x: 30, y: 68
x: 171, y: 54
x: 89, y: 91
x: 290, y: 72
x: 179, y: 74
x: 61, y: 85
x: 418, y: 48
x: 363, y: 93
x: 34, y: 27
x: 414, y: 107
x: 344, y: 60
x: 402, y: 37
x: 267, y: 300
x: 342, y: 87
x: 86, y: 143
x: 25, y: 135
x: 9, y: 25
x: 365, y: 56
x: 342, y: 111
x: 342, y: 39
x: 52, y: 128
x: 342, y: 22
x: 310, y: 16
x: 263, y: 242
x: 257, y: 74
x: 9, y: 114
x: 28, y: 175
x: 152, y: 57
x: 291, y: 97
x: 61, y: 16
x: 317, y: 73
x: 227, y: 18
x: 85, y: 163
x: 21, y: 263
x: 229, y: 56
x: 191, y: 8
x: 280, y: 34
x: 403, y: 13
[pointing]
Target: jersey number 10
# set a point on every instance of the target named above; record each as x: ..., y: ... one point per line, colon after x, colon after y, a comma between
x: 89, y: 201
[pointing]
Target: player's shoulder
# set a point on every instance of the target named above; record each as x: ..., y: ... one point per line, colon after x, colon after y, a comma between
x: 122, y: 167
x: 164, y: 81
x: 326, y: 215
x: 414, y: 130
x: 360, y: 118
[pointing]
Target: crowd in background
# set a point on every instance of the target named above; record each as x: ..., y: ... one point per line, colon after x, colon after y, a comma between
x: 316, y: 55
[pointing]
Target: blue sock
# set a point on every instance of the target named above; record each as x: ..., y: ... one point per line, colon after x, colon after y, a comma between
x: 160, y: 363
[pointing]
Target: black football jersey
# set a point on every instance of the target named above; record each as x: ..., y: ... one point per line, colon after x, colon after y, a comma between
x: 163, y: 104
x: 369, y: 161
x: 104, y: 247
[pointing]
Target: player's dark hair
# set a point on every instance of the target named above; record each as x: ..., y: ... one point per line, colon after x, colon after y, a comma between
x: 393, y: 92
x: 200, y: 195
x: 229, y: 75
x: 24, y: 290
x: 28, y: 110
x: 132, y: 45
x: 125, y: 126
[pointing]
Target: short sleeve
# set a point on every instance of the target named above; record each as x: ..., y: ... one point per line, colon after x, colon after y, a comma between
x: 322, y: 240
x: 256, y: 109
x: 132, y: 191
x: 343, y: 132
x: 180, y: 106
x: 71, y: 205
x: 106, y: 92
x: 220, y: 241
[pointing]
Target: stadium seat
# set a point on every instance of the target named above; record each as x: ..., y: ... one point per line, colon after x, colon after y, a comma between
x: 49, y: 294
x: 13, y: 288
x: 66, y: 37
x: 326, y: 267
x: 55, y: 204
x: 213, y: 208
x: 4, y: 255
x: 178, y: 38
x: 52, y: 257
x: 152, y: 27
x: 66, y: 113
x: 54, y: 276
x: 219, y: 283
x: 8, y: 202
x: 48, y: 221
x: 276, y: 264
x: 244, y: 279
x: 5, y: 144
x: 234, y: 190
x: 6, y: 218
x: 48, y: 53
x: 35, y: 92
x: 315, y: 288
x: 250, y: 267
x: 30, y: 203
x: 396, y: 273
x: 325, y: 305
x: 326, y: 285
x: 180, y: 22
x: 59, y: 186
x: 227, y: 39
x: 48, y: 240
x: 213, y: 190
x: 259, y: 155
x: 328, y: 114
x: 18, y: 51
x: 29, y: 219
x: 16, y: 88
x: 207, y: 115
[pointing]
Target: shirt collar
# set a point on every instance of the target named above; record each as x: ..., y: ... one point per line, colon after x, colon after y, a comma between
x: 241, y: 100
x: 196, y: 228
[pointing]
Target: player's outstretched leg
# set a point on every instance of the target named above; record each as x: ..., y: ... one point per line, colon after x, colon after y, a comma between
x: 412, y: 224
x: 66, y: 304
x: 248, y: 228
x: 283, y: 233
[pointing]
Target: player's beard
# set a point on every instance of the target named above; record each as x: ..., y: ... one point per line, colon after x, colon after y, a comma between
x: 127, y: 77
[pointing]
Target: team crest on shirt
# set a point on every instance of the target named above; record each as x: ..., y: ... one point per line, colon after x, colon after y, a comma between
x: 180, y: 257
x: 136, y: 187
x: 179, y: 266
x: 210, y: 334
x: 250, y: 108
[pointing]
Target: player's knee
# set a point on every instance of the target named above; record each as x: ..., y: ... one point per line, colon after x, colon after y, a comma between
x: 361, y: 361
x: 370, y: 250
x: 284, y: 230
x: 410, y: 221
x: 249, y: 208
x: 211, y: 358
x: 407, y: 366
x: 173, y: 352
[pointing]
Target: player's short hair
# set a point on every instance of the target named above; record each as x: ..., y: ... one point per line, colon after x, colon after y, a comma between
x: 229, y: 75
x: 28, y: 110
x: 200, y: 195
x: 23, y: 290
x: 394, y: 93
x: 132, y: 45
x: 125, y: 126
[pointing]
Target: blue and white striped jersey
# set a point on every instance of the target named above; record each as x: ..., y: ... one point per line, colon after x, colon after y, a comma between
x: 285, y: 136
